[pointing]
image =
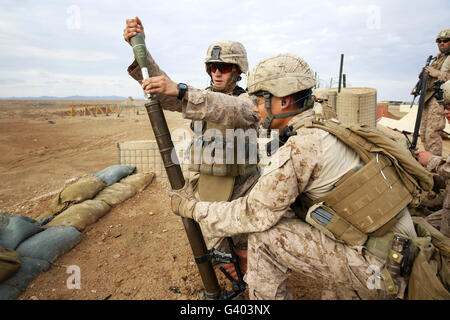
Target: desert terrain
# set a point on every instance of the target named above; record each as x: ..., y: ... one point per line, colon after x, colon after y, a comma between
x: 139, y: 250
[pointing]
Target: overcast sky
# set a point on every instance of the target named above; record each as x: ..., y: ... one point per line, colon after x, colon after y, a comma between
x: 62, y: 48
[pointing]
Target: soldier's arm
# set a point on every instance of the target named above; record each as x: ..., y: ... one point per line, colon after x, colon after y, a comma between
x: 270, y: 198
x: 439, y: 165
x: 167, y: 102
x: 220, y: 108
x: 200, y: 104
x: 445, y: 70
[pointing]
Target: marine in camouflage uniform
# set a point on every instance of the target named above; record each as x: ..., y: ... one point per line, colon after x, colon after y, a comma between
x: 433, y: 121
x: 222, y: 106
x: 440, y: 166
x: 309, y: 163
x: 322, y: 109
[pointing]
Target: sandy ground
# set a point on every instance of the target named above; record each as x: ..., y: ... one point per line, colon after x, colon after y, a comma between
x: 139, y: 250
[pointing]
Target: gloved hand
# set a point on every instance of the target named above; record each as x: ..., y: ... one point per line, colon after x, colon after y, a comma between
x: 183, y: 201
x: 433, y: 71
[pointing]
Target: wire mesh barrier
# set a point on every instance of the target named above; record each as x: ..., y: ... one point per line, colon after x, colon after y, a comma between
x: 354, y: 105
x: 145, y: 156
x: 107, y: 110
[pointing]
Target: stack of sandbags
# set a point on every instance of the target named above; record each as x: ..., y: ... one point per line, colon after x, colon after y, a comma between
x: 27, y: 249
x: 114, y: 173
x: 75, y: 192
x: 88, y: 212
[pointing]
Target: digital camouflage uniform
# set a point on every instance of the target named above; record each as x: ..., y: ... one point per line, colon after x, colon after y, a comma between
x: 310, y: 162
x: 433, y: 120
x: 441, y: 219
x: 214, y: 107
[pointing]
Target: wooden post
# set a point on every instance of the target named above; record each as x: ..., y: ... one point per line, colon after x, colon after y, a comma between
x: 340, y: 72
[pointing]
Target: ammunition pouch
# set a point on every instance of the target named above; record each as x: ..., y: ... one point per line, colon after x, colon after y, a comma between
x: 420, y: 262
x: 362, y: 203
x: 216, y: 159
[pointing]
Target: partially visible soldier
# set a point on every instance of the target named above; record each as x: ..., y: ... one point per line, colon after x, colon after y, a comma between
x: 433, y: 121
x: 307, y: 167
x: 440, y: 166
x: 222, y: 106
x: 322, y: 109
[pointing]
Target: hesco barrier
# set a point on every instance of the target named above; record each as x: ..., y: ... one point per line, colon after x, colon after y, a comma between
x: 145, y: 156
x: 354, y: 105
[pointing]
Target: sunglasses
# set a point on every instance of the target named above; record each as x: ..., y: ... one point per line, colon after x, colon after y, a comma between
x: 223, y: 68
x: 442, y: 40
x: 447, y: 107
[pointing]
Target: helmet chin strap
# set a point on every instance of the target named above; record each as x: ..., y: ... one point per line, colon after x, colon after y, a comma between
x: 271, y: 117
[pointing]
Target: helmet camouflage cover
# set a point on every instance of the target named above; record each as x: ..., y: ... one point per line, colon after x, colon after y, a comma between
x: 321, y: 93
x: 446, y: 89
x: 227, y: 51
x: 444, y: 34
x: 281, y: 75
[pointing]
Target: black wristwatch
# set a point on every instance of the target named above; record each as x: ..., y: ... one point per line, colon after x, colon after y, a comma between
x: 182, y: 88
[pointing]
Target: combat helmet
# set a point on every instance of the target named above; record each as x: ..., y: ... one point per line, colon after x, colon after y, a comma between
x: 227, y: 51
x: 446, y: 90
x: 444, y: 34
x: 321, y: 93
x: 280, y: 76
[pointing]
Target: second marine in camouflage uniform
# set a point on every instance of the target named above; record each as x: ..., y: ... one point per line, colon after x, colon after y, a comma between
x: 433, y: 121
x: 440, y: 166
x: 222, y: 106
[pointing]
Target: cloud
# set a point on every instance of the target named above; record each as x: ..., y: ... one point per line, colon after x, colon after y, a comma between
x: 58, y: 54
x: 385, y: 42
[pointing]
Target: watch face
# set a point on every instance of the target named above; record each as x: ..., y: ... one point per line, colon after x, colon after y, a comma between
x: 183, y: 86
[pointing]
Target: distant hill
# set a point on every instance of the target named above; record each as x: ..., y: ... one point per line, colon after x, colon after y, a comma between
x: 67, y: 98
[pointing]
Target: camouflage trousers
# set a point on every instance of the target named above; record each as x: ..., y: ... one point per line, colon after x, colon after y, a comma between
x: 431, y: 126
x: 293, y: 245
x: 441, y: 221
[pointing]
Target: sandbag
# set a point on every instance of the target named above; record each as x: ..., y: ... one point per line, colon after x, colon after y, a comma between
x: 115, y: 194
x: 78, y: 191
x: 9, y: 292
x: 50, y: 244
x: 15, y: 229
x: 9, y: 263
x: 114, y: 173
x: 139, y: 181
x: 81, y: 215
x: 30, y: 268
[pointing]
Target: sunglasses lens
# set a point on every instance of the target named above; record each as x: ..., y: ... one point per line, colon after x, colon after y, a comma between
x: 442, y: 40
x: 223, y: 68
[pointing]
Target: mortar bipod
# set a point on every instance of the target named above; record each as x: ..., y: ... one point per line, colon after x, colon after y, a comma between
x: 222, y: 257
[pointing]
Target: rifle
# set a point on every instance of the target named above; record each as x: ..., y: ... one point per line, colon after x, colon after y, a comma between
x: 419, y: 89
x: 175, y: 174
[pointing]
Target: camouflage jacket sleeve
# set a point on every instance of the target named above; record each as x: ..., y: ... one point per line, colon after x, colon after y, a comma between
x: 205, y: 105
x: 445, y: 70
x: 439, y: 165
x: 167, y: 102
x: 221, y: 108
x: 295, y: 165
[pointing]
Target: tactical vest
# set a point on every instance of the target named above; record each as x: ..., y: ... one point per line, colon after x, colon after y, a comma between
x: 367, y: 201
x: 437, y: 64
x: 217, y: 178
